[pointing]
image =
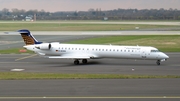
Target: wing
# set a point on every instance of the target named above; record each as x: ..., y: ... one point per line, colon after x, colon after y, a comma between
x: 74, y: 56
x: 70, y: 57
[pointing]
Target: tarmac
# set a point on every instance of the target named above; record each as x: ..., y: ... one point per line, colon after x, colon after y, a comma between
x: 34, y: 63
x: 90, y: 89
x: 85, y: 89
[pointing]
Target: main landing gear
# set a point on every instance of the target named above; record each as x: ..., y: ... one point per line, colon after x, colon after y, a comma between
x: 76, y: 62
x: 84, y: 61
x: 158, y: 62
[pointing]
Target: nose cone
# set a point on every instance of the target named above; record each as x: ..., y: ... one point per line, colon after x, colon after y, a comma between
x: 167, y: 57
x: 164, y: 56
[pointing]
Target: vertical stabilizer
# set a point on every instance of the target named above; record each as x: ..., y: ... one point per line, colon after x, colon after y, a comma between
x: 28, y: 38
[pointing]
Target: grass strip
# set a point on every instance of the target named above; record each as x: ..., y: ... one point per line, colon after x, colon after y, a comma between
x: 34, y: 76
x: 77, y: 26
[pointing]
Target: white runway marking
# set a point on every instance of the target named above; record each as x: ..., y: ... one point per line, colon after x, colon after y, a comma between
x: 17, y: 70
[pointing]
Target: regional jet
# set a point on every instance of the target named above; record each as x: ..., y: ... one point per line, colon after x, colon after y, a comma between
x: 84, y: 52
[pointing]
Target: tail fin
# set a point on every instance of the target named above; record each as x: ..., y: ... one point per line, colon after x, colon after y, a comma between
x: 28, y: 37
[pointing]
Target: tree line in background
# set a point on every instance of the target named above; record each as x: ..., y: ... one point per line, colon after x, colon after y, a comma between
x: 92, y: 14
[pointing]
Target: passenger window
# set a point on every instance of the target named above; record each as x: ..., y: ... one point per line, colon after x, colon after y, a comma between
x: 155, y: 51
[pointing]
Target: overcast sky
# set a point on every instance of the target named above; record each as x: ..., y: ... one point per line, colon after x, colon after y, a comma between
x: 84, y: 5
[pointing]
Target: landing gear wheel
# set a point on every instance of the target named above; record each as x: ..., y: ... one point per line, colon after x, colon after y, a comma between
x: 84, y: 61
x: 76, y: 62
x: 158, y: 62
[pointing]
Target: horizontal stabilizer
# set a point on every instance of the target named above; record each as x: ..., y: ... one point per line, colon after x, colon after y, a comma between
x: 14, y: 32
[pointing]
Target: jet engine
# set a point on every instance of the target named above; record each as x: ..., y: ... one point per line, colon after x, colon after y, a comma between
x: 43, y: 46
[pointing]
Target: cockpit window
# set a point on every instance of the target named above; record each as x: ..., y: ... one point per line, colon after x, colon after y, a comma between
x: 155, y: 51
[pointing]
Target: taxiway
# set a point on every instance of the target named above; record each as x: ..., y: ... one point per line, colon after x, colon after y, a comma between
x: 91, y: 90
x: 32, y: 63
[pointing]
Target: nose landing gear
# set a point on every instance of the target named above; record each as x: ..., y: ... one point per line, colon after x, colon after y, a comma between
x: 158, y: 62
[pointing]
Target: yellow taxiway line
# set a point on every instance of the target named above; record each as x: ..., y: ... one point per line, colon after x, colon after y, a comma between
x: 25, y: 57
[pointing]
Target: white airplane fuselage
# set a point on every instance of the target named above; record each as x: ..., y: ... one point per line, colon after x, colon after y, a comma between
x: 99, y: 51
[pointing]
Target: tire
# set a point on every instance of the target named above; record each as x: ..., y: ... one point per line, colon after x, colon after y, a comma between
x: 84, y: 61
x: 76, y: 62
x: 158, y: 62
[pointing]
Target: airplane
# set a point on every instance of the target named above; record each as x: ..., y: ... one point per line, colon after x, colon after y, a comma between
x: 86, y: 52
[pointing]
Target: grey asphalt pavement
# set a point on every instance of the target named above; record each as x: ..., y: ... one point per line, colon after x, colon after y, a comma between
x: 91, y: 89
x: 97, y: 66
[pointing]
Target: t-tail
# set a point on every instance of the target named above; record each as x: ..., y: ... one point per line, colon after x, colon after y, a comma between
x: 28, y: 38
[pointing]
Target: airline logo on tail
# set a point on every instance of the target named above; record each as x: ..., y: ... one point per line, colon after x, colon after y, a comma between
x: 28, y: 37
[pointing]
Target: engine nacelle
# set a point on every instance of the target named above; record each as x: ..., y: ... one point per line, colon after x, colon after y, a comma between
x: 44, y: 46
